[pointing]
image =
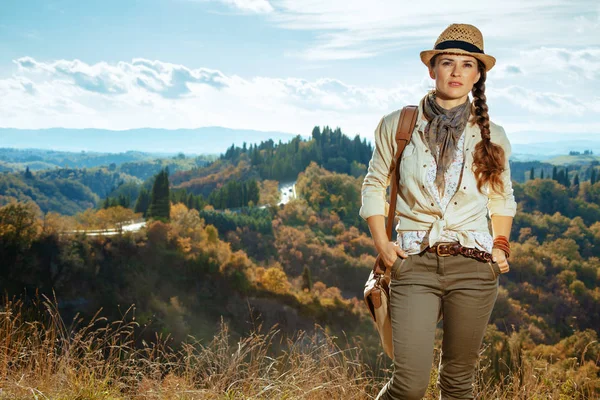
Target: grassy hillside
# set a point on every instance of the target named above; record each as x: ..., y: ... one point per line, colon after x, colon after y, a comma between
x: 575, y: 160
x: 37, y: 159
x: 66, y: 191
x: 134, y: 163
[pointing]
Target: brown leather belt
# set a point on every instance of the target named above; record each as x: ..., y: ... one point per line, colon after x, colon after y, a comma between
x: 455, y: 249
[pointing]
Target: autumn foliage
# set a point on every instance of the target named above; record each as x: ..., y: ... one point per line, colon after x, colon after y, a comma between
x: 250, y: 267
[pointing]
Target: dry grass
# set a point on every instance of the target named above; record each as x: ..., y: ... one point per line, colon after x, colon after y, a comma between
x: 42, y: 358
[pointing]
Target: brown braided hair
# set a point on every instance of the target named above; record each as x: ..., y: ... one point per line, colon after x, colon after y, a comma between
x: 488, y: 157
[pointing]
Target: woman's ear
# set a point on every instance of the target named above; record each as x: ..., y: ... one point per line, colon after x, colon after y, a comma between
x: 431, y: 73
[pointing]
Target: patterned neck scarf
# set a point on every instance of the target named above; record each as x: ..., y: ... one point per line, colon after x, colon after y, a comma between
x: 443, y: 130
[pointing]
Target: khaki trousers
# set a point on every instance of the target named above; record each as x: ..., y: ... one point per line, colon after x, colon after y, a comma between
x: 424, y: 286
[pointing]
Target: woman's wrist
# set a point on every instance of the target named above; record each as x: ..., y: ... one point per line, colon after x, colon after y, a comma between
x: 501, y: 242
x: 378, y: 233
x: 380, y: 243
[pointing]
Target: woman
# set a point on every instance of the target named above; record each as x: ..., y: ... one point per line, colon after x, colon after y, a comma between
x: 453, y: 173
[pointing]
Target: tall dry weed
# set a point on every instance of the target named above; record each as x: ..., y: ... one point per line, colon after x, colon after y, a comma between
x: 43, y: 358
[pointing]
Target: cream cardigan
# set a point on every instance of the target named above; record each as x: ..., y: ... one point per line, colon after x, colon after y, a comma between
x: 416, y: 207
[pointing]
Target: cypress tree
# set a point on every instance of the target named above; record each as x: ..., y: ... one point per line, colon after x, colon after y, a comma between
x: 28, y: 174
x: 567, y: 181
x: 576, y: 180
x: 554, y: 174
x: 542, y: 174
x: 316, y: 134
x: 199, y: 202
x: 256, y: 156
x: 229, y: 198
x: 189, y: 202
x: 593, y: 177
x: 179, y: 196
x: 254, y: 191
x: 143, y: 202
x: 244, y: 194
x: 166, y: 193
x: 124, y: 201
x: 212, y: 199
x: 160, y: 200
x: 560, y: 176
x: 531, y: 174
x: 216, y: 198
x: 306, y: 278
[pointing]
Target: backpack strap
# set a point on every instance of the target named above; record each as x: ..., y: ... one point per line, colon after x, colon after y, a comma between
x: 406, y: 125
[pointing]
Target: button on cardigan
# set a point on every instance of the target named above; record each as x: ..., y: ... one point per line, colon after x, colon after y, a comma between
x: 416, y: 206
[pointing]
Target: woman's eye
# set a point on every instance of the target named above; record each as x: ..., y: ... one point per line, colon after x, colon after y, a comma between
x: 469, y: 65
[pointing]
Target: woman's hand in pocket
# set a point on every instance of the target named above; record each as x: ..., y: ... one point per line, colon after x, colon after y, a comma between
x: 499, y: 257
x: 389, y: 253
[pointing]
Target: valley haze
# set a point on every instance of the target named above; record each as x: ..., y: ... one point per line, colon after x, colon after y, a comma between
x: 206, y: 140
x: 216, y: 140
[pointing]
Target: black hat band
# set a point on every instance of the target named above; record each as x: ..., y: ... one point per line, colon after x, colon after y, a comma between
x: 458, y: 44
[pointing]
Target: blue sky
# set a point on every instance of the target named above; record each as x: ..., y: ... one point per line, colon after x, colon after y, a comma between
x: 286, y: 65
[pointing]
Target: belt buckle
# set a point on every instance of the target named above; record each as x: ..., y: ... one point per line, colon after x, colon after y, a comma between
x: 437, y: 251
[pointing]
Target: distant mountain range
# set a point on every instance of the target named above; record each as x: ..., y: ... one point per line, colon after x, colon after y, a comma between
x: 533, y: 145
x: 209, y: 140
x: 216, y: 140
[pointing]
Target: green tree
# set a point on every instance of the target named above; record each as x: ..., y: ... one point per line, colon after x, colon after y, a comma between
x: 316, y: 134
x: 253, y: 191
x: 189, y: 201
x: 531, y: 174
x: 593, y: 176
x: 306, y: 278
x: 18, y: 223
x: 576, y: 180
x: 124, y: 201
x: 19, y: 227
x: 545, y: 196
x: 542, y: 174
x: 160, y: 203
x: 143, y: 202
x: 560, y: 177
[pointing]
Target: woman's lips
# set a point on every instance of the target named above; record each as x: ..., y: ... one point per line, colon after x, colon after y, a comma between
x: 455, y: 84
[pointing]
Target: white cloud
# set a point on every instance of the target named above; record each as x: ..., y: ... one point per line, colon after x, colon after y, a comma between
x: 543, y: 103
x: 169, y: 80
x: 246, y: 6
x: 145, y: 93
x: 71, y: 93
x: 348, y: 29
x: 254, y: 6
x: 571, y: 66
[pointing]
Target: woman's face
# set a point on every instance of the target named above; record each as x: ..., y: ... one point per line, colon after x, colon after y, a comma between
x: 454, y: 76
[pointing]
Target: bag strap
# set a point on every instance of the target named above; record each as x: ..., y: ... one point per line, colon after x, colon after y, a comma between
x: 406, y: 125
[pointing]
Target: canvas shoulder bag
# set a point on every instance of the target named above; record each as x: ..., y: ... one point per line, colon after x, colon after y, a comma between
x: 377, y: 289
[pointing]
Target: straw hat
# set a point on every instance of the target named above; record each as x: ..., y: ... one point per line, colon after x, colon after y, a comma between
x: 460, y: 39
